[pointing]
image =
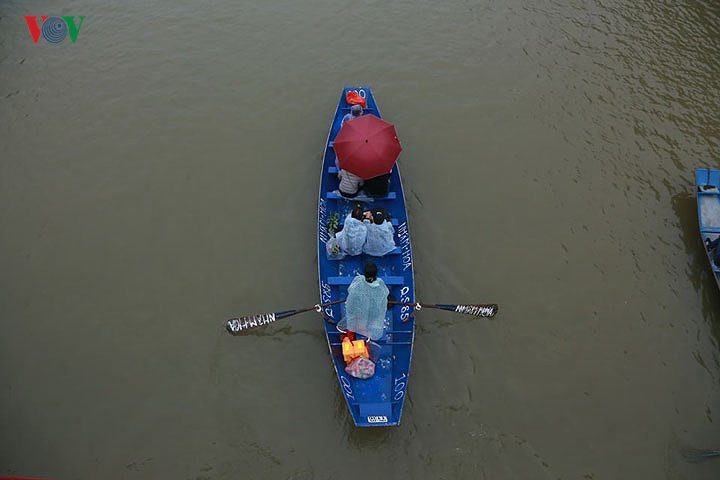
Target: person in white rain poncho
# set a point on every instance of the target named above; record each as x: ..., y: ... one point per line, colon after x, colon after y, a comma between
x: 352, y: 237
x: 356, y: 111
x: 380, y: 234
x: 366, y: 304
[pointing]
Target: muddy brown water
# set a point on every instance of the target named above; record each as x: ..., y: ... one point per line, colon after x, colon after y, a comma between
x: 160, y: 175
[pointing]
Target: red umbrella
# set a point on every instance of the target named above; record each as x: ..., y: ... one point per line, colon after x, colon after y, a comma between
x: 367, y: 146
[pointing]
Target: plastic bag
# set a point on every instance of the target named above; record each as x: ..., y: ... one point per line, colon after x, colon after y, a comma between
x: 354, y: 98
x: 361, y: 368
x: 332, y: 247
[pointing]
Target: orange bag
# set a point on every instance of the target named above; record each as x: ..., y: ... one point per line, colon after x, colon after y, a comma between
x: 354, y: 349
x: 354, y: 98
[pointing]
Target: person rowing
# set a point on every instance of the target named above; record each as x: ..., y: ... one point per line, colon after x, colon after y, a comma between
x: 366, y: 304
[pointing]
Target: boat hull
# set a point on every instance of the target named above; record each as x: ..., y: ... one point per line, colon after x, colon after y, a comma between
x: 707, y: 193
x: 377, y: 401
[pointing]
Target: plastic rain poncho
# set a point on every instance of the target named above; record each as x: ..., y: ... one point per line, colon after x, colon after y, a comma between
x: 365, y: 307
x: 379, y: 239
x: 352, y: 237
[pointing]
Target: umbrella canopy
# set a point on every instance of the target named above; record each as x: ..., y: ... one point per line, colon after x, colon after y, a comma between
x: 367, y: 146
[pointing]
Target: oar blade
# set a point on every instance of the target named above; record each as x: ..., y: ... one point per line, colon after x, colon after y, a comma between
x: 696, y: 456
x: 236, y: 326
x: 486, y: 310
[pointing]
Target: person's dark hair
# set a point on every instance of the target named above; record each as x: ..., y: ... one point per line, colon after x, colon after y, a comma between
x: 357, y: 213
x: 370, y: 272
x: 378, y: 216
x: 356, y: 110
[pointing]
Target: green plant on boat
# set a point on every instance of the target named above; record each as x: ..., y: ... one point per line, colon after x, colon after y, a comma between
x: 333, y: 223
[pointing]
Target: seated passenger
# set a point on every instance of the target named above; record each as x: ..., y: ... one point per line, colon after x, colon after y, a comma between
x: 712, y: 248
x: 366, y: 304
x: 353, y: 234
x: 377, y: 186
x: 356, y: 111
x: 380, y: 234
x: 350, y: 184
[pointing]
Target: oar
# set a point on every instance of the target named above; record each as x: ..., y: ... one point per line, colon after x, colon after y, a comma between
x: 477, y: 310
x: 236, y: 326
x: 696, y: 456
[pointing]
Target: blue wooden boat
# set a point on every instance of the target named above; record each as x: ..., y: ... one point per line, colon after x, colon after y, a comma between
x: 376, y: 401
x: 707, y: 191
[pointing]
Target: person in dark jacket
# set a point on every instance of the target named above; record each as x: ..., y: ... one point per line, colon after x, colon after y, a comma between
x: 377, y: 186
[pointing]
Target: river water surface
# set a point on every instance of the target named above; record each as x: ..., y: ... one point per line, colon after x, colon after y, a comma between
x: 160, y: 175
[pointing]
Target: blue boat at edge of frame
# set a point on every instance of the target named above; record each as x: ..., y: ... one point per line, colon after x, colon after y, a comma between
x: 376, y: 401
x: 707, y: 191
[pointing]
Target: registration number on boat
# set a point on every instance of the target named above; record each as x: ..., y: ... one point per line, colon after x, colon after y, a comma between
x: 377, y: 419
